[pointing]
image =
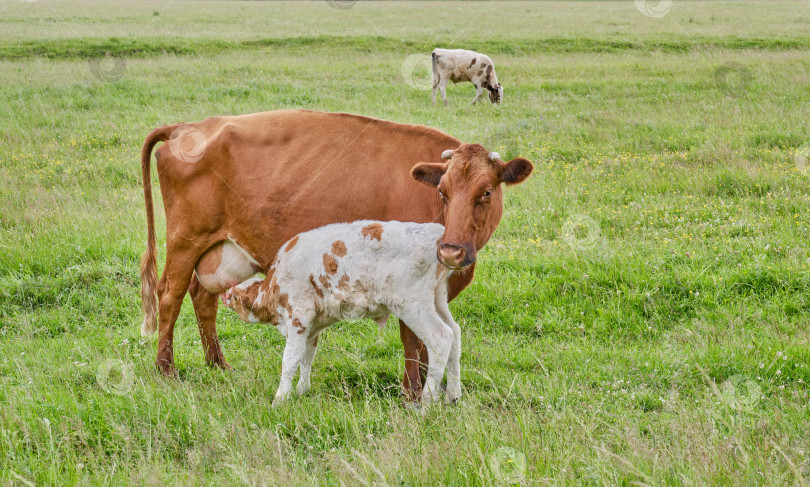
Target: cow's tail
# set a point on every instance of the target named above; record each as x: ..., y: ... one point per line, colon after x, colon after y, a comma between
x: 435, y: 58
x: 149, y: 296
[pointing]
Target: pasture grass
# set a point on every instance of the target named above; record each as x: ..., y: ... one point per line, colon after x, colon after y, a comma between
x: 639, y: 318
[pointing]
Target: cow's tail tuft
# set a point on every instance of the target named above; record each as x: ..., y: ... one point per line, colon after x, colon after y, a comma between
x: 149, y: 295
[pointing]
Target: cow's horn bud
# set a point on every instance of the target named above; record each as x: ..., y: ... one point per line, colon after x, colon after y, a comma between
x: 494, y: 156
x: 447, y: 154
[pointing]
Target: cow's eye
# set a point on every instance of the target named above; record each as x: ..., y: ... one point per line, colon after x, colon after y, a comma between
x: 441, y: 195
x: 487, y: 193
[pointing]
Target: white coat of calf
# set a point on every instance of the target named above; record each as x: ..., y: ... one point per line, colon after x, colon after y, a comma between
x: 459, y: 65
x: 349, y: 271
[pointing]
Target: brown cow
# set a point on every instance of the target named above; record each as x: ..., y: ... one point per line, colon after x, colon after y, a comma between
x: 236, y: 188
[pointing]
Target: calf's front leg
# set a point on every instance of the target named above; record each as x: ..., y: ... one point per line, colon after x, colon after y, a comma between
x: 306, y: 366
x: 293, y: 354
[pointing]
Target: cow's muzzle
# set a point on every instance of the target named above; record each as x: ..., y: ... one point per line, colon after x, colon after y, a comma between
x: 455, y: 257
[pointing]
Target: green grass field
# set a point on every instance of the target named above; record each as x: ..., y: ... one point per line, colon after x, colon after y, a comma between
x: 639, y: 318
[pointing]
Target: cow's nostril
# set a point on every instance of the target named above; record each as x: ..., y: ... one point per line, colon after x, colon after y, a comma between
x: 451, y: 255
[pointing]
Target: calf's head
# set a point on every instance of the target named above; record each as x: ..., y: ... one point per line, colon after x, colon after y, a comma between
x: 469, y: 186
x: 243, y: 298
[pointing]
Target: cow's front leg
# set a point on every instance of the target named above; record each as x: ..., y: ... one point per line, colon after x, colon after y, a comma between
x: 478, y: 92
x: 416, y: 361
x: 206, y: 305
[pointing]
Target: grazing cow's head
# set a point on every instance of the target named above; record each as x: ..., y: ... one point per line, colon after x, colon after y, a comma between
x: 469, y: 185
x: 495, y: 93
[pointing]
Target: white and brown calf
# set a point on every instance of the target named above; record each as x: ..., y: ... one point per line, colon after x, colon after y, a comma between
x: 349, y: 271
x: 459, y: 65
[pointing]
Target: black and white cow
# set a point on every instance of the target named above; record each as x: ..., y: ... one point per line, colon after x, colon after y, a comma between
x: 458, y: 65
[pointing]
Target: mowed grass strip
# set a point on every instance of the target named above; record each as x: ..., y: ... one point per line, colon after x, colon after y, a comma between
x: 88, y: 48
x: 640, y: 316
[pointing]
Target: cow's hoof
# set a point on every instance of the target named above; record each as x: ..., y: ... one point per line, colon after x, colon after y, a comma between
x: 167, y: 370
x: 415, y: 407
x: 220, y: 364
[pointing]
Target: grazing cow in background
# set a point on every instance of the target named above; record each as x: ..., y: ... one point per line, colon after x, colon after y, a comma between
x: 349, y: 271
x: 459, y: 65
x: 236, y: 188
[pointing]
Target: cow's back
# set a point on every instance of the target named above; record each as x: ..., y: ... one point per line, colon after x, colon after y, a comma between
x: 265, y: 177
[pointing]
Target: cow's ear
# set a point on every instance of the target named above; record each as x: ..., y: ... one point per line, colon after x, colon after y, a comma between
x: 429, y: 172
x: 516, y: 170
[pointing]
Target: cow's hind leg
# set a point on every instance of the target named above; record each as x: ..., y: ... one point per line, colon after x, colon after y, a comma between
x: 172, y: 287
x: 206, y: 305
x: 436, y: 79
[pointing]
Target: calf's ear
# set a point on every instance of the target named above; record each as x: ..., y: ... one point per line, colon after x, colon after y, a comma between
x: 429, y: 172
x: 516, y: 170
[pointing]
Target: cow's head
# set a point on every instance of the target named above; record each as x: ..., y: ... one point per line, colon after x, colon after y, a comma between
x: 495, y: 93
x: 469, y: 186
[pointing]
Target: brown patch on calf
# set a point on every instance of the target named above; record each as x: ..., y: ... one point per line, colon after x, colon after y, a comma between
x: 297, y: 324
x: 472, y: 63
x: 343, y: 283
x: 315, y: 286
x: 330, y: 264
x: 480, y: 73
x: 338, y: 248
x: 291, y: 244
x: 324, y: 281
x: 373, y: 230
